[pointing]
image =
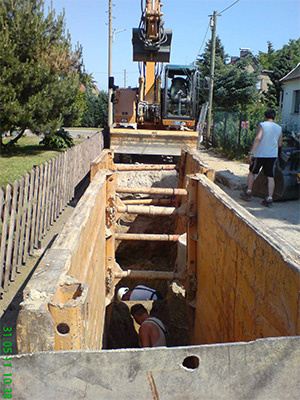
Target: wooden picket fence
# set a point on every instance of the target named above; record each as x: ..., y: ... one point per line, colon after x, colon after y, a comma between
x: 32, y: 204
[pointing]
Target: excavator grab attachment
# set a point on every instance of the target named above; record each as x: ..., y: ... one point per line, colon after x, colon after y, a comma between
x: 146, y: 51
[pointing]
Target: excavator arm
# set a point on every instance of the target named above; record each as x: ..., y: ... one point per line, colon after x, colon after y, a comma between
x: 153, y: 19
x: 150, y: 136
x: 151, y: 42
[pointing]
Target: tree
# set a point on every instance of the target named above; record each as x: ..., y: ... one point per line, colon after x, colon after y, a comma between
x: 235, y: 86
x: 96, y: 110
x: 235, y: 89
x: 203, y: 63
x: 39, y: 72
x: 220, y: 57
x: 102, y: 109
x: 281, y: 62
x: 78, y: 109
x: 266, y: 60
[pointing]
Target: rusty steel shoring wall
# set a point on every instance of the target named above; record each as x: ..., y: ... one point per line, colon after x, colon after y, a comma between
x: 64, y: 302
x: 80, y: 273
x: 29, y: 206
x: 242, y: 284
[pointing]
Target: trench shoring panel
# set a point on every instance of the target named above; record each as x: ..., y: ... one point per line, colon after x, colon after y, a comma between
x: 248, y: 279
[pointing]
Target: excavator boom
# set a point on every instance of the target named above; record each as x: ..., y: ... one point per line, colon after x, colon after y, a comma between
x: 151, y: 42
x: 152, y: 119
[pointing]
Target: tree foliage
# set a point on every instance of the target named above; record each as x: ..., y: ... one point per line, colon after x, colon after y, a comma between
x: 96, y: 109
x: 236, y: 98
x: 39, y: 72
x: 235, y: 86
x: 266, y: 60
x: 61, y: 139
x: 220, y: 57
x: 280, y: 62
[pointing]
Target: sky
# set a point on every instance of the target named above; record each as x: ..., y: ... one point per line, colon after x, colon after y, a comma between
x: 247, y: 23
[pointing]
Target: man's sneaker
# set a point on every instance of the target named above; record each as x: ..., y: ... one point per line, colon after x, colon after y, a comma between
x: 246, y: 196
x: 267, y: 203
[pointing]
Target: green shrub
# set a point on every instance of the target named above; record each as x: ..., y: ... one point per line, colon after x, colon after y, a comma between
x: 61, y: 139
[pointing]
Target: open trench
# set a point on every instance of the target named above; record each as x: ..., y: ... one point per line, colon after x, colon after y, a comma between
x: 147, y: 255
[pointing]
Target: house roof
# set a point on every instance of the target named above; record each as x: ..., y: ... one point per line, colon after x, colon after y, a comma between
x: 245, y: 52
x: 294, y: 74
x: 95, y: 90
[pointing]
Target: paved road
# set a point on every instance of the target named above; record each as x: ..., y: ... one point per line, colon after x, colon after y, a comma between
x: 85, y: 132
x: 74, y: 132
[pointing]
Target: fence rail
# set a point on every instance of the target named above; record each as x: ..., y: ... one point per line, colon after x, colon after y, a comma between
x: 32, y: 204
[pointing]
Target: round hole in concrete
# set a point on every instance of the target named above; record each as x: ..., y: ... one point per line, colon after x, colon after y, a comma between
x: 63, y: 328
x: 191, y: 362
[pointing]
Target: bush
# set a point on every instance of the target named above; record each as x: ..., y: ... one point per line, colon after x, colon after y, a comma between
x: 226, y: 130
x: 61, y: 139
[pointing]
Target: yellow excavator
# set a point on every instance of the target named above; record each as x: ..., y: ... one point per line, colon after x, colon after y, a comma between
x: 155, y: 118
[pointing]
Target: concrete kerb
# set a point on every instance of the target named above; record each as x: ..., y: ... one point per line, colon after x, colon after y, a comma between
x: 262, y: 369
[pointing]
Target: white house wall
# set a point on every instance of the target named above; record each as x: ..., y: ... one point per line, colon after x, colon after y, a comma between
x: 290, y: 121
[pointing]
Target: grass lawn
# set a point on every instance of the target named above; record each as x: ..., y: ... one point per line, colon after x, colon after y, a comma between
x: 20, y: 160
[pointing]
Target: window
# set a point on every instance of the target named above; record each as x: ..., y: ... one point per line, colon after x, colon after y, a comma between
x: 296, y: 103
x: 259, y: 84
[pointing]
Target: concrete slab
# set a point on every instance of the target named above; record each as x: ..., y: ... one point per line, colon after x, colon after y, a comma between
x: 263, y: 369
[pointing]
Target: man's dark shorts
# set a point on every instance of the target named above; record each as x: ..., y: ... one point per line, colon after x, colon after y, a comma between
x: 268, y: 165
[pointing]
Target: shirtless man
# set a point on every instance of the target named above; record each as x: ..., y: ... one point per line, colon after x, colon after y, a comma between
x: 152, y: 332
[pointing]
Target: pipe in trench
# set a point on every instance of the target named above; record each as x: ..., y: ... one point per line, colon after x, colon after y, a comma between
x: 152, y: 167
x: 147, y: 237
x: 134, y: 274
x: 145, y: 190
x: 150, y: 210
x: 161, y: 202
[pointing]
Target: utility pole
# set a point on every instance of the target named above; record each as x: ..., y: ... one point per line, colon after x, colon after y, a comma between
x: 125, y: 83
x: 110, y: 42
x: 213, y: 25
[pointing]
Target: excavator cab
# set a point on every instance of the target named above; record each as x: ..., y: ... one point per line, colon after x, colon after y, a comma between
x: 181, y: 93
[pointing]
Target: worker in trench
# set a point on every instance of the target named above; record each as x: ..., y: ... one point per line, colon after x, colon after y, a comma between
x: 139, y: 293
x: 152, y: 332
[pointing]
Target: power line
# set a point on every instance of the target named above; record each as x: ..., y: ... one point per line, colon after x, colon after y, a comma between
x: 202, y: 41
x: 219, y: 14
